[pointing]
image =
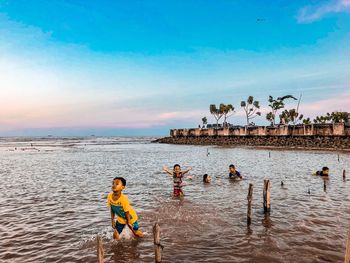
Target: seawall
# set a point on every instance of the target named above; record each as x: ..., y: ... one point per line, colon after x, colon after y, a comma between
x: 288, y: 142
x: 314, y: 136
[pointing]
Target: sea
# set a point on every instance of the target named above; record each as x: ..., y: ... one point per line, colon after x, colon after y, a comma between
x: 53, y: 202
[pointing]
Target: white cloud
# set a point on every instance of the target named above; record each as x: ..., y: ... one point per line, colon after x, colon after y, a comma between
x: 310, y: 14
x: 339, y: 103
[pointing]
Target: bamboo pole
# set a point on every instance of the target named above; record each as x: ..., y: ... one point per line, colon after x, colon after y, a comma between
x: 157, y: 246
x: 100, y: 251
x: 249, y: 197
x: 266, y: 196
x: 347, y: 251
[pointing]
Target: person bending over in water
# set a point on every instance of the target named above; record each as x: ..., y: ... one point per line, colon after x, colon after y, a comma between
x: 234, y: 174
x: 324, y: 172
x: 177, y: 176
x: 120, y: 207
x: 206, y: 179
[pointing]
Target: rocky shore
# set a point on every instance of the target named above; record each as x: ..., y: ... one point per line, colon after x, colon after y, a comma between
x: 341, y: 143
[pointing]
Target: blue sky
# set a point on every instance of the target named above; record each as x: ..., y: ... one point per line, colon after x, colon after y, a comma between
x: 143, y: 67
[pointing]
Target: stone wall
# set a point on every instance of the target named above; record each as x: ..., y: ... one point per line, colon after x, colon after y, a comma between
x: 338, y: 129
x: 296, y: 142
x: 313, y: 136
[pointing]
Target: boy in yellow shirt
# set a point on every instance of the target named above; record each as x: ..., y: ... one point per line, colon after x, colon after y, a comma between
x: 120, y: 207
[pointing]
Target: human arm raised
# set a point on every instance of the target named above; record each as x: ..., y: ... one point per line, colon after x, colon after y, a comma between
x: 167, y: 170
x: 186, y: 171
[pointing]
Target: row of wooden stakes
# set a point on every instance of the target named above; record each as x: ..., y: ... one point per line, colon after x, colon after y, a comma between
x: 158, y: 248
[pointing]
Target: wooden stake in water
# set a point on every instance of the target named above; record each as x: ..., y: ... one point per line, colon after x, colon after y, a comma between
x: 249, y: 197
x: 324, y: 185
x: 338, y: 157
x: 347, y: 251
x: 157, y: 246
x: 100, y: 251
x: 269, y: 155
x: 266, y: 196
x: 344, y: 177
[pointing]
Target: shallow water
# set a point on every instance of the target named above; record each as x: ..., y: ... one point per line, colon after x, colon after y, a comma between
x: 53, y: 202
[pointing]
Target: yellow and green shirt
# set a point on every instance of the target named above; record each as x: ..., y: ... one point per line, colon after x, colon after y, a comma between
x: 120, y: 206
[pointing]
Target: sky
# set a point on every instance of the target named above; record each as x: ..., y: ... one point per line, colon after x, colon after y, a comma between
x: 134, y: 68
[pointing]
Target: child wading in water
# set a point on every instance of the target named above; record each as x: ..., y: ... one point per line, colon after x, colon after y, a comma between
x: 119, y: 204
x: 177, y: 176
x: 234, y: 174
x: 324, y: 172
x: 206, y: 179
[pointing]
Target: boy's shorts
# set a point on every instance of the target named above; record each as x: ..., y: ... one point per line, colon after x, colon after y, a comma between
x: 120, y: 226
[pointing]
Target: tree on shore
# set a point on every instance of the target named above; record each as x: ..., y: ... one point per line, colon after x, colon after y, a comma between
x: 204, y: 121
x: 334, y: 117
x: 216, y: 112
x: 340, y: 117
x: 275, y: 105
x: 226, y: 109
x: 322, y: 119
x: 306, y: 121
x: 251, y: 108
x: 291, y: 115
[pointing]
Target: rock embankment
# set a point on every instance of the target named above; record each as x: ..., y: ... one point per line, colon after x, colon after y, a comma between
x: 288, y: 142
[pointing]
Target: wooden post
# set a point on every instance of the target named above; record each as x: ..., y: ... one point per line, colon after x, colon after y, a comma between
x: 249, y: 197
x: 347, y: 251
x: 338, y: 157
x: 157, y: 246
x: 100, y: 252
x: 282, y: 184
x: 266, y: 195
x: 344, y: 177
x: 269, y: 155
x: 324, y: 185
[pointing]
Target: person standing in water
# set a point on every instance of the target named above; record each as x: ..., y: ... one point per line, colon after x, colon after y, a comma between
x: 206, y: 179
x: 121, y: 208
x: 234, y: 174
x: 177, y: 177
x: 324, y: 172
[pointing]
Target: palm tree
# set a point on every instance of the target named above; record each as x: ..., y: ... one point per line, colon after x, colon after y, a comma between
x: 275, y: 105
x: 290, y: 116
x: 306, y: 121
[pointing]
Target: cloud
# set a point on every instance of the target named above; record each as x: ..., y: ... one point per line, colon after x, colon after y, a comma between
x: 321, y: 107
x: 309, y: 14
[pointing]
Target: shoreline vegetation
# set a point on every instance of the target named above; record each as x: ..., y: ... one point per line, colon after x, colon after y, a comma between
x: 327, y: 132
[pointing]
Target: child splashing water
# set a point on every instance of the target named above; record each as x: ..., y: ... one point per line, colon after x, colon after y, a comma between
x: 177, y: 176
x: 120, y: 207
